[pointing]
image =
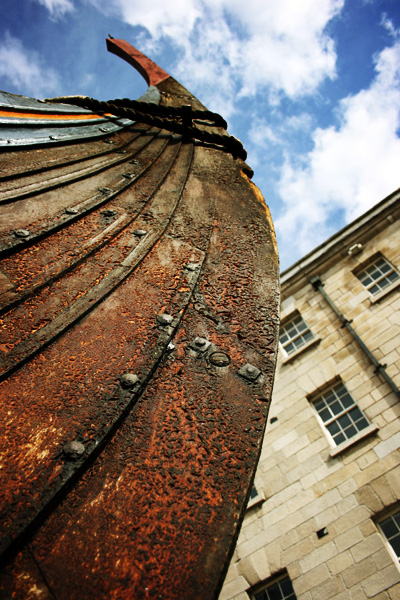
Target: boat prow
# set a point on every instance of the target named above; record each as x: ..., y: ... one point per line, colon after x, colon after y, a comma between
x: 139, y: 297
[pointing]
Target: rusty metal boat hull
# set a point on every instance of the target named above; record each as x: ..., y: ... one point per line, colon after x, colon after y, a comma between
x: 139, y: 311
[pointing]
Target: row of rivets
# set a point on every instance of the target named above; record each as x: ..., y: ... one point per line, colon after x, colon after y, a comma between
x: 221, y: 359
x: 75, y: 449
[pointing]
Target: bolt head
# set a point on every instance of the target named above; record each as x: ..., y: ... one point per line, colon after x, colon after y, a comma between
x: 22, y: 233
x: 165, y: 319
x: 200, y: 344
x: 128, y: 380
x: 249, y: 372
x: 74, y: 449
x: 140, y: 232
x: 71, y: 211
x: 220, y: 359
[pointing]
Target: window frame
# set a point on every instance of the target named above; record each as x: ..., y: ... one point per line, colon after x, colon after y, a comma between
x: 337, y: 448
x: 378, y: 521
x: 268, y: 583
x: 307, y: 343
x: 372, y: 260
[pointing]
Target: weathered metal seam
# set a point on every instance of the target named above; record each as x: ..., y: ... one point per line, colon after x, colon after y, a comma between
x: 27, y: 122
x: 72, y: 178
x: 47, y: 168
x: 94, y: 248
x: 129, y: 399
x: 9, y: 143
x: 10, y: 548
x: 46, y: 335
x: 33, y: 557
x: 84, y: 208
x: 43, y: 106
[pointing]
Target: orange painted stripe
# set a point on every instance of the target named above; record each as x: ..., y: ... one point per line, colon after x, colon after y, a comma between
x: 53, y: 116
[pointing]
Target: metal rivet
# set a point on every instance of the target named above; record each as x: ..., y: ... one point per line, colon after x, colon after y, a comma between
x: 22, y: 233
x: 200, y: 344
x: 140, y: 232
x: 220, y: 359
x: 249, y: 372
x: 128, y: 380
x: 165, y: 319
x: 71, y: 211
x: 108, y: 212
x: 74, y: 449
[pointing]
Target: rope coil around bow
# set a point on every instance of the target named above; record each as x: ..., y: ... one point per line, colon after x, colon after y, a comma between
x: 177, y: 120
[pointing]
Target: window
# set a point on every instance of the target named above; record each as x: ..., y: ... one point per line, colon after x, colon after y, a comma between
x: 390, y: 527
x: 279, y: 589
x: 378, y: 275
x: 294, y: 334
x: 255, y: 497
x: 339, y: 413
x: 253, y: 492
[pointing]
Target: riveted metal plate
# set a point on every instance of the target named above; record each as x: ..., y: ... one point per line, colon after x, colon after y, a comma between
x: 171, y: 458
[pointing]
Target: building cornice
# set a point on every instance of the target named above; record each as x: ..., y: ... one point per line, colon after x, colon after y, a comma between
x: 336, y: 247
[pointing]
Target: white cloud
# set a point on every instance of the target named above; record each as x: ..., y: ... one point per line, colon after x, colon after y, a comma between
x: 240, y: 46
x: 57, y: 8
x: 24, y: 68
x: 351, y: 167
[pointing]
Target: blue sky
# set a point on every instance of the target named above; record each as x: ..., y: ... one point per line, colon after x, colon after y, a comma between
x: 311, y: 87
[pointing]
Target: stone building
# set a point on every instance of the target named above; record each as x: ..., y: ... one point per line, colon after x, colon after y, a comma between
x: 323, y: 521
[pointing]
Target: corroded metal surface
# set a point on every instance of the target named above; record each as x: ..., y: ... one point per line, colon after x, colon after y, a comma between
x: 139, y: 314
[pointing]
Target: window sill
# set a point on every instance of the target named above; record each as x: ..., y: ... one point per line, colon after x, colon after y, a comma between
x: 255, y: 501
x: 385, y: 292
x: 289, y: 357
x: 370, y: 430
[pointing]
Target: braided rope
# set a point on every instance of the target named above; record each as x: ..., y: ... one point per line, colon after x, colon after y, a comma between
x: 164, y: 117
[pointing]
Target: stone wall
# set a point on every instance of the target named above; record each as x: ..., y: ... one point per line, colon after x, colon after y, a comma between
x: 306, y: 483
